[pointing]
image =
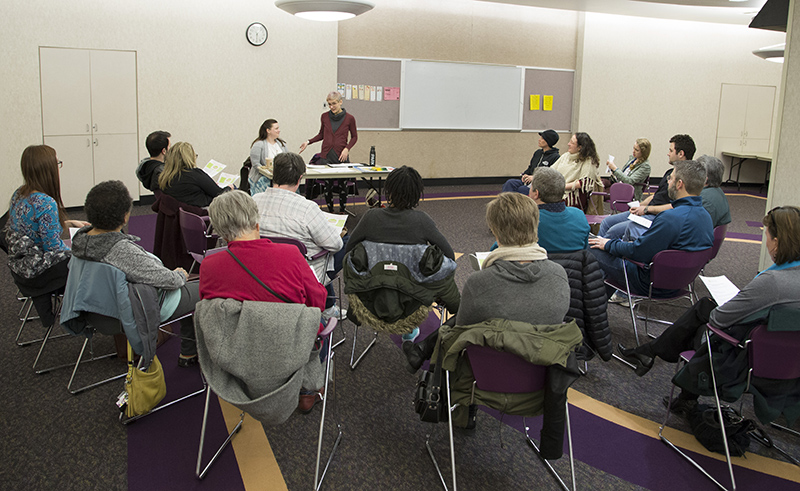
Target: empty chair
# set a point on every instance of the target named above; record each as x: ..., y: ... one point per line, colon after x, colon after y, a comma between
x: 197, y: 236
x: 619, y: 195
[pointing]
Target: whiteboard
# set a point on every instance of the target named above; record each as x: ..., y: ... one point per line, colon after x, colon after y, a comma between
x: 460, y: 96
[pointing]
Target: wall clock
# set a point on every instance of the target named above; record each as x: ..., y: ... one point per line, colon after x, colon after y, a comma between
x: 257, y: 34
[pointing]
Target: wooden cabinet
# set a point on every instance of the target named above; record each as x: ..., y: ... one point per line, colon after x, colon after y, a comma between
x: 89, y: 115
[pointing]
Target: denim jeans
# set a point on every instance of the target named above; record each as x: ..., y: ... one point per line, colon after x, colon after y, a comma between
x: 515, y: 186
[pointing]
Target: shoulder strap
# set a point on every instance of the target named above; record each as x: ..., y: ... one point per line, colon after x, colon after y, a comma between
x: 274, y: 293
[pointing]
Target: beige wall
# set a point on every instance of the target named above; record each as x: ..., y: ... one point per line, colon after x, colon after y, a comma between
x: 197, y: 76
x: 453, y: 30
x: 654, y: 78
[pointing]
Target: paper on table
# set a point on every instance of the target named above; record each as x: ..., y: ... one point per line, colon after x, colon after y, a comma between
x: 720, y: 287
x: 633, y: 204
x: 644, y: 222
x: 212, y: 168
x: 477, y: 259
x: 226, y: 179
x: 337, y: 221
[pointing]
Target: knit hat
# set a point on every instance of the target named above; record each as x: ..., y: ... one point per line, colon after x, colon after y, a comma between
x: 550, y: 136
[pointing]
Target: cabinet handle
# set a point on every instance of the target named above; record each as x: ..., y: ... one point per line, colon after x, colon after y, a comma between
x: 87, y: 127
x: 94, y: 127
x: 88, y: 142
x: 95, y: 142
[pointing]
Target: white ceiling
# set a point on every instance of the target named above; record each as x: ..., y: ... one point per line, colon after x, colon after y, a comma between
x: 720, y: 11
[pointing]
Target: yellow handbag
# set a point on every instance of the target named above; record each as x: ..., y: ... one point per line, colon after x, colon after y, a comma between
x: 145, y: 388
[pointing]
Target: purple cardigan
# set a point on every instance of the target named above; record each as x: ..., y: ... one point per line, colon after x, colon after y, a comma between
x: 336, y: 141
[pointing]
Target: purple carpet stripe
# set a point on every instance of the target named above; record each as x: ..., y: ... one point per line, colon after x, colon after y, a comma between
x: 754, y: 224
x: 162, y: 447
x: 640, y: 459
x: 144, y: 226
x: 460, y: 194
x: 735, y: 235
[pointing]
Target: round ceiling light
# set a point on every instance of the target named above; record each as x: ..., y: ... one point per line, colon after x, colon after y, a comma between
x: 772, y: 53
x: 325, y: 10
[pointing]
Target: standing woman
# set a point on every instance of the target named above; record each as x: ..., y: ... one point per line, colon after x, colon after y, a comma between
x: 36, y: 254
x: 579, y: 168
x: 335, y: 126
x: 184, y: 181
x: 262, y: 151
x: 637, y: 170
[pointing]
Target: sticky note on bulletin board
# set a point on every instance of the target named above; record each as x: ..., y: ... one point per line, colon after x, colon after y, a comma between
x: 548, y: 103
x: 535, y: 102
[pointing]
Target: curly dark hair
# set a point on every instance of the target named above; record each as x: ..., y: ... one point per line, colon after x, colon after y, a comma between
x: 685, y: 143
x: 404, y: 188
x: 587, y: 148
x: 107, y: 204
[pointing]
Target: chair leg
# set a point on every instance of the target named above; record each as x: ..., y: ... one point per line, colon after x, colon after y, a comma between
x: 630, y: 302
x: 93, y: 358
x: 126, y: 421
x: 547, y: 463
x: 329, y: 365
x: 28, y: 302
x: 201, y: 474
x: 353, y: 364
x: 452, y: 446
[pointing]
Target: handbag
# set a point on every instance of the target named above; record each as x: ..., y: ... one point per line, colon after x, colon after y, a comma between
x: 145, y: 389
x: 430, y: 402
x: 704, y: 422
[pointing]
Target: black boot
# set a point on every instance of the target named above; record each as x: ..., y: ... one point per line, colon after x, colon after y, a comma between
x: 642, y: 362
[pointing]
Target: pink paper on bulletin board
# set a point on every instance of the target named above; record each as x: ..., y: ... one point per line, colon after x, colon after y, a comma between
x: 391, y: 93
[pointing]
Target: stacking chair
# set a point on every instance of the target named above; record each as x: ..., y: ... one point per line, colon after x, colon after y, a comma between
x: 197, y: 234
x: 619, y: 195
x: 719, y: 237
x: 770, y: 355
x: 502, y: 372
x: 669, y: 270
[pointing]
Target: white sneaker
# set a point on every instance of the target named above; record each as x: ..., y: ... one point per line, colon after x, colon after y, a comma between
x: 619, y: 297
x: 626, y: 302
x: 332, y: 311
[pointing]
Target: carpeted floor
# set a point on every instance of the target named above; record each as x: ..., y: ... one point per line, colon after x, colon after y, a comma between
x: 51, y: 439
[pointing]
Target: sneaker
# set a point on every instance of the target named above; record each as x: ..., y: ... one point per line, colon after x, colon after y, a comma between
x: 309, y: 399
x: 627, y: 302
x: 332, y: 311
x: 412, y: 336
x: 187, y: 362
x: 618, y: 297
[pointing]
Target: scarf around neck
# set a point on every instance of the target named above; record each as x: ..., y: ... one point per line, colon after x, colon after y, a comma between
x: 530, y: 252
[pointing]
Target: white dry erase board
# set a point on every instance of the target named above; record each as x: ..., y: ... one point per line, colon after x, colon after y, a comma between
x: 460, y: 96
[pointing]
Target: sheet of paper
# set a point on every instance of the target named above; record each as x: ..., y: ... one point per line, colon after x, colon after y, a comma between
x: 548, y: 103
x: 379, y: 93
x: 633, y: 204
x: 341, y: 88
x: 721, y: 288
x: 476, y: 260
x: 376, y: 169
x: 535, y: 99
x: 348, y: 92
x: 212, y: 168
x: 72, y: 231
x: 644, y: 222
x: 373, y: 94
x: 361, y: 91
x: 611, y: 158
x: 391, y: 93
x: 355, y: 92
x: 367, y: 92
x: 226, y: 179
x: 315, y: 166
x: 337, y: 221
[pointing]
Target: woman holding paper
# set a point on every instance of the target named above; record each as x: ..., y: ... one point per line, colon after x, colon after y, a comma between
x: 262, y: 151
x: 637, y: 170
x: 777, y: 285
x: 184, y: 181
x: 579, y: 168
x: 36, y: 219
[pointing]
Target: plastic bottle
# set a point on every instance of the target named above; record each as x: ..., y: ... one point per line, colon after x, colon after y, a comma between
x: 372, y: 156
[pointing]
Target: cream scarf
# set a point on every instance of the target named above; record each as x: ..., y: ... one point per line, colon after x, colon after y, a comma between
x: 530, y: 252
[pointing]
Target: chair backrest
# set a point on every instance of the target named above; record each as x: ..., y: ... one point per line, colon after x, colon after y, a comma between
x: 773, y: 354
x: 498, y: 371
x: 644, y: 185
x: 289, y: 240
x: 674, y: 270
x: 620, y: 194
x: 194, y: 232
x: 719, y: 238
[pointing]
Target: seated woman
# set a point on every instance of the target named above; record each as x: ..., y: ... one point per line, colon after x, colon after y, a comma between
x: 262, y: 151
x: 637, y: 170
x: 777, y: 285
x: 400, y: 223
x: 37, y: 256
x: 579, y: 168
x: 282, y: 267
x: 108, y: 208
x: 184, y: 181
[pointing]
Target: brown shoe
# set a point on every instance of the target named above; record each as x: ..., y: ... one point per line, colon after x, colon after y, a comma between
x: 308, y: 401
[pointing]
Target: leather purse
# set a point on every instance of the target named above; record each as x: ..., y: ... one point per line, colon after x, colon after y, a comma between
x: 146, y: 388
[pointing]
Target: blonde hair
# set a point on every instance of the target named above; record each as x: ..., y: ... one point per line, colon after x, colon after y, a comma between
x: 180, y: 157
x: 513, y: 218
x: 644, y: 147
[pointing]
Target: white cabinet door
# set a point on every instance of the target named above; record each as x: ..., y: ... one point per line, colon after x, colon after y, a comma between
x: 113, y: 84
x: 732, y: 111
x: 758, y: 125
x: 115, y: 158
x: 65, y: 86
x: 77, y: 174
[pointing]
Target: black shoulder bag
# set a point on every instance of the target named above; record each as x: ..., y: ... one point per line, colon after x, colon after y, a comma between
x: 274, y: 293
x: 430, y: 401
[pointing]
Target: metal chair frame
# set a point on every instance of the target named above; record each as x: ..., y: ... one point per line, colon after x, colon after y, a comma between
x: 185, y: 219
x: 535, y: 379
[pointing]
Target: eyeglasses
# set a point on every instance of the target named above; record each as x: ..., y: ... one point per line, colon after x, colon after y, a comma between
x: 60, y: 164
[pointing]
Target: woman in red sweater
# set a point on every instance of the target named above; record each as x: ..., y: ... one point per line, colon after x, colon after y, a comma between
x: 335, y: 126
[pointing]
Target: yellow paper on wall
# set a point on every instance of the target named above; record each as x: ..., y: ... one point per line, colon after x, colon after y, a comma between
x: 548, y: 103
x: 535, y: 102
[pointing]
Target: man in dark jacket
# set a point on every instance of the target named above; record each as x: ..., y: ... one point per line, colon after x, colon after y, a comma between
x: 150, y: 168
x: 544, y: 156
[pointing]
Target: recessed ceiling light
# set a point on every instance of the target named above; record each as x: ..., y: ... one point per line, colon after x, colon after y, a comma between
x: 325, y: 10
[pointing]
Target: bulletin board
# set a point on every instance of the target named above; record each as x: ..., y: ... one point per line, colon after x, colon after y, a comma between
x: 375, y: 73
x: 552, y: 105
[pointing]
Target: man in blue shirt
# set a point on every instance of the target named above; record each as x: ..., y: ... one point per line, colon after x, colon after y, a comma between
x: 562, y: 228
x: 686, y: 226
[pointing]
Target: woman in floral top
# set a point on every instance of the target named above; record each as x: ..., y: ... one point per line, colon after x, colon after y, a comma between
x: 37, y: 255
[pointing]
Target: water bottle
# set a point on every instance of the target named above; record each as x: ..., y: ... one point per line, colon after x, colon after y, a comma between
x: 372, y: 156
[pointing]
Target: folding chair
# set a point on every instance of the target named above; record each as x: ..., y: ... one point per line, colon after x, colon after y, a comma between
x: 669, y: 270
x: 196, y: 231
x: 770, y: 355
x: 497, y: 371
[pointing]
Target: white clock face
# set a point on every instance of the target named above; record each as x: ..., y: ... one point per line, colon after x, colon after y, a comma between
x: 257, y: 34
